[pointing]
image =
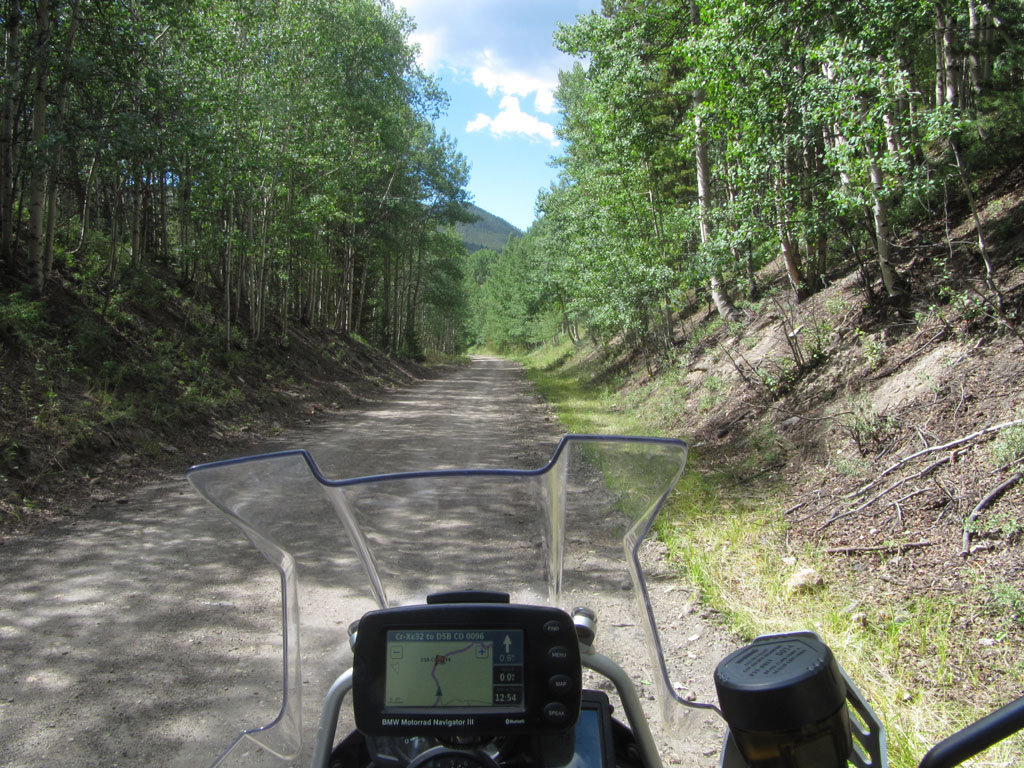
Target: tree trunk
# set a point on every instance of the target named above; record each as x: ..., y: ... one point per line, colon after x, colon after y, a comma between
x: 974, y: 49
x: 940, y: 64
x: 348, y: 283
x: 357, y: 306
x: 8, y: 132
x: 949, y: 60
x: 790, y: 250
x: 165, y: 246
x: 386, y: 319
x: 37, y: 177
x: 229, y: 236
x: 723, y: 302
x: 135, y: 222
x: 883, y: 237
x: 719, y: 293
x: 61, y: 100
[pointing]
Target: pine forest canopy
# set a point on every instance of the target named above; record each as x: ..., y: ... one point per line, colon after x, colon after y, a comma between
x: 280, y: 154
x: 703, y: 139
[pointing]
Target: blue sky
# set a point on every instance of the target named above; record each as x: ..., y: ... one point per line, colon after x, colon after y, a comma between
x: 496, y: 60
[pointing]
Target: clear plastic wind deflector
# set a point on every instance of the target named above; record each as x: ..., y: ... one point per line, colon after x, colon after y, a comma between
x: 343, y: 547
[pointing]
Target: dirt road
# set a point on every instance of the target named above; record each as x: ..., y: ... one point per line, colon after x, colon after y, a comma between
x: 143, y: 631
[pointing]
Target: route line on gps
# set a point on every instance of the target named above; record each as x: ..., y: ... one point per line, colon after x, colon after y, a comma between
x: 433, y: 671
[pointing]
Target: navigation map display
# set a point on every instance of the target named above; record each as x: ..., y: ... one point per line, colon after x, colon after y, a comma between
x: 464, y: 669
x: 472, y: 669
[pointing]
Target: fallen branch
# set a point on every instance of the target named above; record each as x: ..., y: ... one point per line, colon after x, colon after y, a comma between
x: 879, y: 548
x: 794, y: 508
x: 910, y: 495
x: 989, y: 499
x: 899, y: 483
x: 1006, y: 466
x: 913, y: 354
x: 933, y: 449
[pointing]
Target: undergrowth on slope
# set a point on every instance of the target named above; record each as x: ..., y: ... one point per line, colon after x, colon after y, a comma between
x: 729, y: 539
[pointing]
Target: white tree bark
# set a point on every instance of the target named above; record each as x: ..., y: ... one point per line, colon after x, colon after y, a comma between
x: 719, y: 292
x: 883, y: 235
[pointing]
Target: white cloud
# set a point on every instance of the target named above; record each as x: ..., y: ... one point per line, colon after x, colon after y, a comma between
x: 505, y: 45
x: 495, y: 75
x: 431, y: 54
x: 511, y: 120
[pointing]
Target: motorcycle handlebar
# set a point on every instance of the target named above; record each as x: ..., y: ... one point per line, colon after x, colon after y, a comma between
x: 976, y: 737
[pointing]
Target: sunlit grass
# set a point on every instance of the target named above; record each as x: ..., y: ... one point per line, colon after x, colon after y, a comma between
x: 436, y: 357
x: 729, y: 539
x: 566, y: 380
x: 737, y: 555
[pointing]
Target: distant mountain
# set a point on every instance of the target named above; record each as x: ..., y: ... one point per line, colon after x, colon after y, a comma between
x: 488, y: 232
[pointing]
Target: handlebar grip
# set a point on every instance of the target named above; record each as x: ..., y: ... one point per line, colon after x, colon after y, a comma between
x: 976, y: 737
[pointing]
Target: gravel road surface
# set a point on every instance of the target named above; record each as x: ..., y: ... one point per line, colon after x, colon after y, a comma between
x: 143, y: 631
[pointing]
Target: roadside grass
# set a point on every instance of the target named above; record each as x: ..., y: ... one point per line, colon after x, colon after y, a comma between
x: 911, y: 660
x: 435, y: 357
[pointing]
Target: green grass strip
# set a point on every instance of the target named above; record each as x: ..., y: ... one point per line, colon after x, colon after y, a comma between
x: 729, y: 540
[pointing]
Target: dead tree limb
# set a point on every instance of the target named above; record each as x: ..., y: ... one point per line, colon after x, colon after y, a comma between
x: 933, y: 449
x: 898, y: 484
x: 879, y: 548
x: 987, y: 501
x: 913, y: 354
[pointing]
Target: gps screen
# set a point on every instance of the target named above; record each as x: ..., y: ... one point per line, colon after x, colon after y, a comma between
x: 457, y: 669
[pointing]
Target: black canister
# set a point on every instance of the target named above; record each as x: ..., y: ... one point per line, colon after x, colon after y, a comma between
x: 784, y: 699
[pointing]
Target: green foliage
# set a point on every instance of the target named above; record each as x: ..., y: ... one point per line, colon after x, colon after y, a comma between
x: 767, y: 446
x: 1005, y: 523
x: 811, y: 123
x: 714, y: 387
x: 872, y: 346
x: 818, y: 344
x: 22, y: 319
x: 92, y: 340
x: 868, y: 429
x: 1008, y: 446
x: 514, y: 303
x: 1007, y: 600
x: 247, y: 160
x: 778, y: 377
x: 698, y: 334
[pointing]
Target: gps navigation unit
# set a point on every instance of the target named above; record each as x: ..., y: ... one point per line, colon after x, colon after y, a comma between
x: 454, y: 668
x: 466, y: 668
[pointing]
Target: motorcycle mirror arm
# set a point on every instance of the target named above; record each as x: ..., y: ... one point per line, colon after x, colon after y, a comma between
x: 634, y: 712
x: 329, y: 720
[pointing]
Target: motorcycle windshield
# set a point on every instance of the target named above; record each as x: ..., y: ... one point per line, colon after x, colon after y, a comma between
x: 343, y: 547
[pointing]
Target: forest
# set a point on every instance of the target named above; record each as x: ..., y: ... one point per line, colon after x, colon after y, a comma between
x: 280, y: 161
x: 703, y: 140
x: 275, y: 158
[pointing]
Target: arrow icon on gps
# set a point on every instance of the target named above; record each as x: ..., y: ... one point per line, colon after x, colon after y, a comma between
x: 508, y: 644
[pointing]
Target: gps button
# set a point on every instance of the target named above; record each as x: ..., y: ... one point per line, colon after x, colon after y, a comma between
x: 556, y: 713
x: 558, y: 653
x: 559, y: 684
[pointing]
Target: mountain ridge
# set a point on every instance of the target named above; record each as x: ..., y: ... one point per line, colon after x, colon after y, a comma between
x: 489, y: 231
